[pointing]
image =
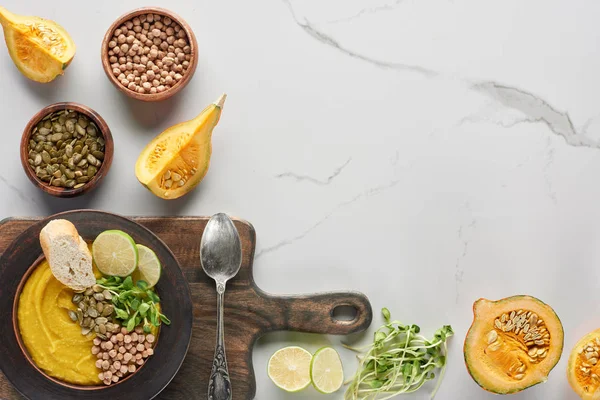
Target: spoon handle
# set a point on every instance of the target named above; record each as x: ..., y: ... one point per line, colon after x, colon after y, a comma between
x: 219, y: 385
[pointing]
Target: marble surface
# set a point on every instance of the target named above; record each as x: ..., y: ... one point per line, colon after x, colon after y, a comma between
x: 426, y: 153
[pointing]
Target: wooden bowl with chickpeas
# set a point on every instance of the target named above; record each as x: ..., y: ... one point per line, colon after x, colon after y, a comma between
x: 150, y: 53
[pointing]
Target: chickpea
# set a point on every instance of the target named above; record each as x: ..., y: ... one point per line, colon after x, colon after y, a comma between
x: 99, y: 364
x: 132, y: 368
x: 121, y: 39
x: 115, y: 379
x: 124, y: 369
x: 139, y: 356
x: 140, y: 362
x: 167, y: 21
x: 113, y: 353
x: 119, y: 355
x: 150, y: 351
x: 112, y: 44
x: 105, y: 365
x: 122, y: 349
x: 129, y: 24
x: 152, y: 90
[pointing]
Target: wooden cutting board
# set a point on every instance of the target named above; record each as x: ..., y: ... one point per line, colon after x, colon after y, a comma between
x: 249, y: 311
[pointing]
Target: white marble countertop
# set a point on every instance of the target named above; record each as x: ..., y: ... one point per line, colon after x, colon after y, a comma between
x: 426, y: 153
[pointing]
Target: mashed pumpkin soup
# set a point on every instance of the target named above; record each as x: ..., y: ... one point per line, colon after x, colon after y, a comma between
x: 53, y: 341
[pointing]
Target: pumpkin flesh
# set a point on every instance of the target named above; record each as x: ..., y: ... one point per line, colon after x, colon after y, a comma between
x: 513, y: 343
x: 583, y: 369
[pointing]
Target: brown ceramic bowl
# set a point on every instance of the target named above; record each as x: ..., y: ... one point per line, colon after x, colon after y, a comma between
x: 187, y: 76
x: 108, y: 149
x: 19, y: 261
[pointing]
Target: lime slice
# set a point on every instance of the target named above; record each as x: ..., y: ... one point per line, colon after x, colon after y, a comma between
x: 326, y: 372
x: 115, y: 253
x: 148, y: 268
x: 289, y: 368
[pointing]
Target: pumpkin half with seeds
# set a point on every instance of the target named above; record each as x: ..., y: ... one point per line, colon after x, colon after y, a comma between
x: 513, y: 343
x: 583, y: 369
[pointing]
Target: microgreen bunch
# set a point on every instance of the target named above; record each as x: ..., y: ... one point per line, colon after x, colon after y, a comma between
x: 134, y: 304
x: 399, y: 361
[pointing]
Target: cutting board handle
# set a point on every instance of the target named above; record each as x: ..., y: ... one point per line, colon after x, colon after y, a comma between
x: 314, y: 313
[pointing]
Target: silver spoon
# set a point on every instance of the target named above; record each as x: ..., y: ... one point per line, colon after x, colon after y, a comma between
x: 221, y: 257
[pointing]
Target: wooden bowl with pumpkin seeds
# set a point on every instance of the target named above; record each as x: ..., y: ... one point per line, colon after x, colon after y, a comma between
x: 66, y: 149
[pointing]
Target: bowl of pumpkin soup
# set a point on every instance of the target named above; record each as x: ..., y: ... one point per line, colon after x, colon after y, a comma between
x: 104, y: 340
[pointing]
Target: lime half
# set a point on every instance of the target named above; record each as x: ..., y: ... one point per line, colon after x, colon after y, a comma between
x: 115, y: 253
x: 289, y: 368
x: 326, y: 372
x: 148, y: 268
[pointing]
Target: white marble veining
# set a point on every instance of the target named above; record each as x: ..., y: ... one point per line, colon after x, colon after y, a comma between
x: 426, y: 153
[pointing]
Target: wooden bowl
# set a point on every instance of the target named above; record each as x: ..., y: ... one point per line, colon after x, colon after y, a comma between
x: 16, y: 264
x: 187, y: 76
x: 108, y: 149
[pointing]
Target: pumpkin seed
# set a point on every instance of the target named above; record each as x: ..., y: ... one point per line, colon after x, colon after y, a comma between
x: 101, y: 320
x: 92, y: 312
x: 77, y: 297
x: 85, y: 331
x: 108, y: 310
x: 107, y: 294
x: 73, y: 315
x: 99, y: 296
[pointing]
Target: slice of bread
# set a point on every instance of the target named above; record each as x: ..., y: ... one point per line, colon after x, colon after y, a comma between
x: 68, y: 255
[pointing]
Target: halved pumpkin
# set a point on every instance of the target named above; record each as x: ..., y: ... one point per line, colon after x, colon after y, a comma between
x: 513, y: 343
x: 41, y: 49
x: 583, y: 369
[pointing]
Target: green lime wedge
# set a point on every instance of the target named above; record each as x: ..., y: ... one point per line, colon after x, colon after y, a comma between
x: 115, y: 253
x: 326, y: 371
x: 148, y: 268
x: 289, y: 368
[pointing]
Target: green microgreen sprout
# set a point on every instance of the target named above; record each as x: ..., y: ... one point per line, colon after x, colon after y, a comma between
x: 134, y: 304
x: 399, y: 361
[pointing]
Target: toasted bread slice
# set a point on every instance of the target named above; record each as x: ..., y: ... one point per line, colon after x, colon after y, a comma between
x: 68, y: 255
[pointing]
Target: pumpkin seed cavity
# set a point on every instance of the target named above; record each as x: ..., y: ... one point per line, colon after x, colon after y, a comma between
x: 522, y: 330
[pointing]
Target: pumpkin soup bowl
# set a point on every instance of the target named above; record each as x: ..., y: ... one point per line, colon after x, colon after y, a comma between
x: 65, y: 372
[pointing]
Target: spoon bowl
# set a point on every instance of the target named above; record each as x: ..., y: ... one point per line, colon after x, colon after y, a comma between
x: 220, y: 249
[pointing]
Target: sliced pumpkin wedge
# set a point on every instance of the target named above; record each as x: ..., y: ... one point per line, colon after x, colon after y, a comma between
x: 41, y: 49
x: 177, y: 160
